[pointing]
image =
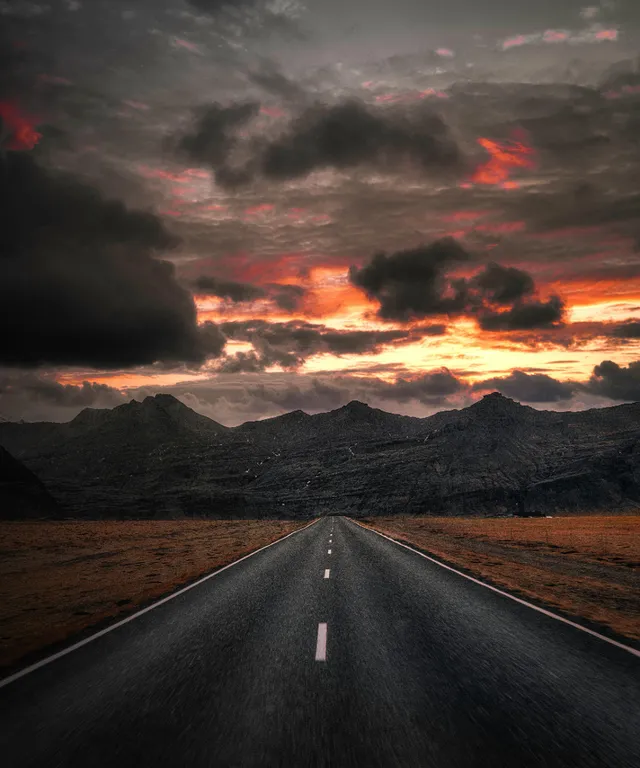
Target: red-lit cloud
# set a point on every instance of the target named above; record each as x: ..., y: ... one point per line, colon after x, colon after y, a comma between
x: 592, y: 34
x: 18, y: 130
x: 504, y: 158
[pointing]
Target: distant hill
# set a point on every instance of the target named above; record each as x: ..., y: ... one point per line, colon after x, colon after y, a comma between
x: 22, y: 495
x: 159, y: 458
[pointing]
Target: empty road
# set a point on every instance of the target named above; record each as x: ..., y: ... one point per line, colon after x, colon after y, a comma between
x: 334, y: 647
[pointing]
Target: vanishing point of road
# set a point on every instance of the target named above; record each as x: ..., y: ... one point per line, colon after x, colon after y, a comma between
x: 333, y: 647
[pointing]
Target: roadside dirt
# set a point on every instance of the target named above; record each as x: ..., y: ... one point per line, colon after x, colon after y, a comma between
x: 58, y: 578
x: 586, y: 566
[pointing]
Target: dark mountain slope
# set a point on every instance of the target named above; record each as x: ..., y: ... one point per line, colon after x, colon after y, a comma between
x: 117, y: 462
x: 159, y: 458
x: 22, y: 495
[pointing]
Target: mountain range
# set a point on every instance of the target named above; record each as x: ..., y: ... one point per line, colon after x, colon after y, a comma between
x: 159, y: 458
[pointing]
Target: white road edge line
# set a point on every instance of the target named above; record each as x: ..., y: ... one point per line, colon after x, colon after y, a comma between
x: 321, y: 643
x: 327, y: 572
x: 550, y: 614
x: 96, y: 635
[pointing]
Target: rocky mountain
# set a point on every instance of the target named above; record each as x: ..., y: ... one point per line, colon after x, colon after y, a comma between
x: 159, y: 458
x: 22, y: 495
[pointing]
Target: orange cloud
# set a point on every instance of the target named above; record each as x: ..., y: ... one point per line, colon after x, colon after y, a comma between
x: 504, y: 158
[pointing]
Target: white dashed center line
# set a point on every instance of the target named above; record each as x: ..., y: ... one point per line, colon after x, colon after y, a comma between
x: 327, y: 572
x: 321, y: 644
x: 329, y: 552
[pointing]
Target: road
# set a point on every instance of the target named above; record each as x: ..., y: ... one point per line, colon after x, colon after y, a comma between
x: 366, y: 656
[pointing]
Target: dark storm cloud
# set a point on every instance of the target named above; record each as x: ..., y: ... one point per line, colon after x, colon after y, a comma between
x: 209, y: 341
x: 286, y: 297
x: 503, y: 285
x: 213, y: 139
x: 350, y: 134
x: 79, y: 281
x: 630, y: 329
x: 524, y: 316
x: 342, y: 137
x: 413, y: 284
x: 359, y: 342
x: 290, y: 344
x: 616, y: 382
x: 529, y: 387
x: 227, y: 289
x: 581, y: 204
x: 564, y: 335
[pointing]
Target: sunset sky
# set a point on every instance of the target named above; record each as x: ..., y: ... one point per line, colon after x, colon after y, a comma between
x: 265, y: 205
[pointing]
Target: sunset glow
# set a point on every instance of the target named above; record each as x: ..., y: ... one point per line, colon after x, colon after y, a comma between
x: 220, y: 213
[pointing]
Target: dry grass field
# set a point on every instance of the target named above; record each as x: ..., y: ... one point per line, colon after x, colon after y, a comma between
x: 58, y: 578
x: 585, y: 566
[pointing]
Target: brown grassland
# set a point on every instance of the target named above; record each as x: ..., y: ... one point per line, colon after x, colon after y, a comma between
x: 58, y: 578
x: 585, y: 566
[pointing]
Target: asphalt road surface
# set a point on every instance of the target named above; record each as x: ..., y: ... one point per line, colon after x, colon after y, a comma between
x: 333, y: 647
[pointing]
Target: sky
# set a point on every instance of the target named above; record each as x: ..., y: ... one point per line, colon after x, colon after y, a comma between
x: 266, y: 205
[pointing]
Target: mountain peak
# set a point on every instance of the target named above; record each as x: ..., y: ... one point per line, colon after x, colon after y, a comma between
x: 356, y: 406
x: 497, y: 397
x: 297, y: 415
x: 496, y: 402
x: 161, y: 399
x: 162, y: 411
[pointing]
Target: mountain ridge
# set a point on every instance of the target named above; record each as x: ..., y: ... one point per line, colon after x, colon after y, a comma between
x: 160, y: 458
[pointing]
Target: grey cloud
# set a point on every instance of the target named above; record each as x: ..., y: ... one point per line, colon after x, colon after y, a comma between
x: 271, y: 79
x: 80, y: 281
x: 213, y: 138
x: 289, y: 344
x: 46, y: 389
x: 630, y: 329
x: 430, y: 388
x: 227, y: 289
x: 524, y: 316
x: 503, y: 285
x: 615, y: 381
x: 288, y: 297
x: 350, y: 134
x: 413, y: 284
x: 214, y: 6
x: 529, y: 387
x: 342, y: 136
x: 39, y: 397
